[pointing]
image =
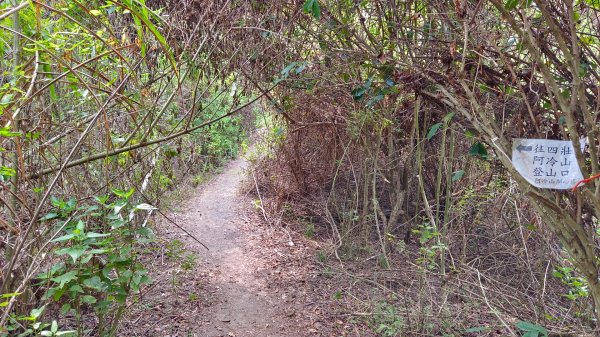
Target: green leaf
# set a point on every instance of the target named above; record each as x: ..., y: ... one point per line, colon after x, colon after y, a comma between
x: 9, y: 295
x: 511, y: 4
x: 37, y: 312
x: 374, y: 100
x: 117, y: 223
x: 122, y: 193
x: 145, y: 232
x: 286, y: 71
x: 74, y: 252
x: 312, y: 7
x: 6, y: 99
x: 49, y: 216
x: 95, y: 12
x: 300, y: 68
x: 533, y: 330
x: 562, y: 120
x: 433, y: 130
x: 358, y: 93
x: 5, y: 132
x: 63, y: 238
x: 457, y: 175
x: 76, y: 288
x: 144, y: 17
x: 477, y: 329
x: 478, y: 150
x: 94, y: 282
x: 65, y: 278
x: 88, y: 299
x: 91, y: 235
x: 595, y: 4
x: 7, y: 172
x: 448, y: 117
x: 65, y: 308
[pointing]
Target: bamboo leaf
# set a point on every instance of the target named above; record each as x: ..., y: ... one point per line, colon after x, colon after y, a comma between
x: 433, y: 130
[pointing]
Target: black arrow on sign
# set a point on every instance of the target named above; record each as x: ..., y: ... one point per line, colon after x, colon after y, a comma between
x: 522, y: 148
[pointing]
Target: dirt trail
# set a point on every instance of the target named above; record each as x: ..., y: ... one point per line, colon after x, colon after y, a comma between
x: 244, y: 304
x: 257, y: 280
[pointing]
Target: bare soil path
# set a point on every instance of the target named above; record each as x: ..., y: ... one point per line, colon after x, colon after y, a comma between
x: 245, y: 302
x: 245, y: 306
x: 254, y: 281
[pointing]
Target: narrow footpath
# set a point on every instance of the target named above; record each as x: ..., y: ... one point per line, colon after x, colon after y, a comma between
x: 244, y: 307
x: 245, y: 303
x: 254, y: 281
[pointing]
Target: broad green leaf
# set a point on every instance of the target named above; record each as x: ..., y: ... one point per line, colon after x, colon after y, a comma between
x: 478, y: 150
x: 562, y: 120
x: 457, y: 175
x: 6, y: 99
x: 122, y: 193
x: 49, y: 216
x: 95, y: 12
x: 5, y: 132
x: 88, y: 299
x: 433, y: 130
x: 74, y: 252
x: 95, y: 235
x: 65, y: 308
x: 98, y: 251
x: 94, y: 282
x: 65, y: 278
x: 117, y: 223
x: 312, y: 7
x: 145, y: 232
x: 533, y: 330
x: 76, y: 288
x: 63, y: 238
x: 358, y: 93
x: 511, y: 4
x: 7, y: 172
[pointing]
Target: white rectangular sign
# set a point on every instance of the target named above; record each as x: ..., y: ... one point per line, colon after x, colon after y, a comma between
x: 546, y: 163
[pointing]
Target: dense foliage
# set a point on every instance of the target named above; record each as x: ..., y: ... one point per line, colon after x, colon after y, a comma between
x: 100, y: 116
x: 389, y: 129
x: 398, y: 120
